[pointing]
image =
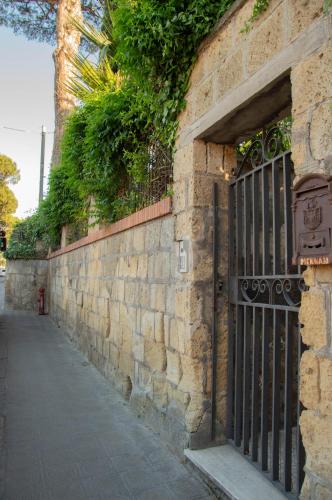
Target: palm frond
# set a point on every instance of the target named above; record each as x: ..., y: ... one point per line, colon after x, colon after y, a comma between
x: 99, y: 38
x: 89, y: 77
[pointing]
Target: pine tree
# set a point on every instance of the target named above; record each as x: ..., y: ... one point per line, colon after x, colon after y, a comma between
x: 50, y: 21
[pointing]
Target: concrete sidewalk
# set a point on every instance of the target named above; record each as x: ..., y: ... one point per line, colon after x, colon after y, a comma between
x: 68, y: 433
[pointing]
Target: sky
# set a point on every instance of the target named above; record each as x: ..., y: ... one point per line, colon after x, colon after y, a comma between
x: 26, y: 102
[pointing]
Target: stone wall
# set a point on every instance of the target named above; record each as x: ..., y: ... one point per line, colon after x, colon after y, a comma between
x: 148, y: 327
x: 232, y: 92
x: 23, y: 280
x: 117, y: 299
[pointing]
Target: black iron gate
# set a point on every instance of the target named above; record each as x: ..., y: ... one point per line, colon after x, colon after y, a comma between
x: 265, y: 292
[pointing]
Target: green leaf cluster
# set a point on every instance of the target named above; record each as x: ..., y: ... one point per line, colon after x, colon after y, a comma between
x: 25, y: 237
x: 107, y: 143
x: 259, y: 7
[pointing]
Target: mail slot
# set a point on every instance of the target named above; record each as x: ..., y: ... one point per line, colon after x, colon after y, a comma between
x: 312, y: 220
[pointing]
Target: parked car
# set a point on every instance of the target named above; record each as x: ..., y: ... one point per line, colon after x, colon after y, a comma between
x: 2, y: 272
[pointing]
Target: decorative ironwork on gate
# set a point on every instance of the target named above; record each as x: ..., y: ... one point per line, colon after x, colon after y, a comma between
x: 264, y: 296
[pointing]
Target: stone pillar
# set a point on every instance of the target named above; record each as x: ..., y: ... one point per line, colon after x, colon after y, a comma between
x: 197, y: 167
x: 316, y: 383
x: 312, y: 152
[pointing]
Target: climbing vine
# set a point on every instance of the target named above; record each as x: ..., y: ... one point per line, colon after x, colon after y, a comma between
x: 109, y: 137
x: 326, y: 6
x: 259, y: 7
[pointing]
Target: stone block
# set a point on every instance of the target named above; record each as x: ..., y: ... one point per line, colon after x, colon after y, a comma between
x: 152, y: 237
x: 126, y: 364
x: 202, y: 265
x: 309, y: 276
x: 311, y: 80
x: 139, y: 239
x: 170, y: 299
x: 158, y: 297
x: 198, y: 344
x: 317, y: 438
x: 167, y: 232
x: 200, y: 191
x: 199, y: 155
x: 155, y: 355
x: 173, y: 334
x: 127, y: 339
x: 218, y: 49
x: 323, y: 274
x: 123, y: 314
x: 181, y: 302
x: 198, y: 72
x: 266, y: 40
x: 309, y: 387
x: 191, y: 224
x: 195, y: 412
x: 120, y: 290
x: 230, y: 74
x: 193, y: 375
x: 143, y: 298
x: 183, y: 224
x: 180, y: 195
x: 132, y: 266
x: 313, y: 316
x: 151, y: 260
x: 131, y: 321
x: 183, y: 162
x: 186, y: 117
x: 162, y: 266
x: 320, y: 132
x: 299, y: 154
x: 167, y: 323
x: 174, y: 371
x: 325, y: 372
x: 215, y: 158
x: 147, y: 325
x: 323, y: 492
x: 138, y: 347
x: 114, y: 355
x: 159, y: 388
x: 301, y: 13
x: 115, y: 333
x: 240, y: 19
x: 203, y: 97
x: 142, y: 269
x: 131, y: 295
x: 159, y: 332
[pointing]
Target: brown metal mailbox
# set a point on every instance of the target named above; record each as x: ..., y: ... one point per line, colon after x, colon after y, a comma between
x: 312, y: 220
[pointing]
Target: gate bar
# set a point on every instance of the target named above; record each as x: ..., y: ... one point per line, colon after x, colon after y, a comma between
x: 231, y: 326
x: 276, y: 395
x: 288, y: 403
x: 214, y: 307
x: 299, y: 444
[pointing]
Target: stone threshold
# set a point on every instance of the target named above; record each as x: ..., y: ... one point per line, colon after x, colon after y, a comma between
x: 159, y: 209
x: 235, y: 476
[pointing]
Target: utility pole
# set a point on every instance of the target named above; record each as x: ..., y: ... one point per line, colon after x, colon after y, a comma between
x: 42, y: 163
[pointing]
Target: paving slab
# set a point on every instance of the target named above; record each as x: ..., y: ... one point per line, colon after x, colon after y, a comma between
x: 233, y: 474
x: 69, y: 434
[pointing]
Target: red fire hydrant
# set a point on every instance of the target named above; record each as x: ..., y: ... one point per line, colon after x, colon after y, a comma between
x: 41, y: 301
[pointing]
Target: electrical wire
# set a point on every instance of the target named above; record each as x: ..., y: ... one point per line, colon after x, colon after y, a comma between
x: 13, y: 129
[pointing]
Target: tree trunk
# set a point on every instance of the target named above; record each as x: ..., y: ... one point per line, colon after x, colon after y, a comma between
x: 68, y: 40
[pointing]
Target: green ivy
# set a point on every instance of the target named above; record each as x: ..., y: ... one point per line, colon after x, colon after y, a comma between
x: 259, y: 7
x: 326, y: 6
x: 108, y: 139
x: 28, y: 240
